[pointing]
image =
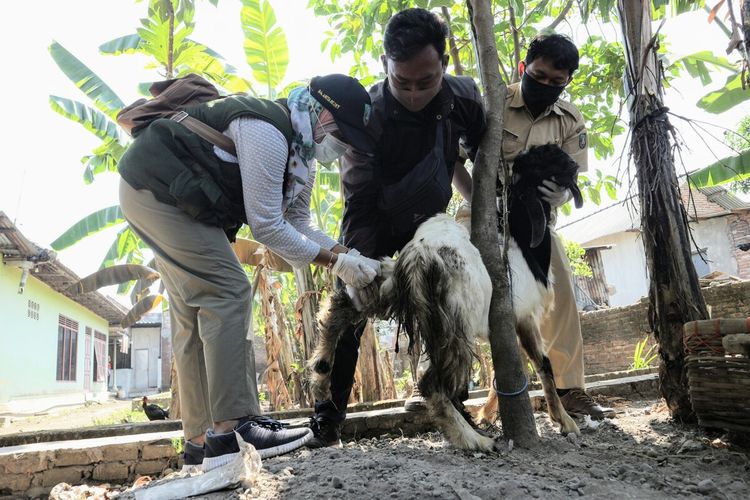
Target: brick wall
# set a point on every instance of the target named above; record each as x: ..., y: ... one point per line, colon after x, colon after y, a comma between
x: 33, y: 474
x: 610, y: 335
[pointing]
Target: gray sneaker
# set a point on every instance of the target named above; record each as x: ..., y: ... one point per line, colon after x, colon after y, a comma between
x: 269, y: 437
x: 416, y: 401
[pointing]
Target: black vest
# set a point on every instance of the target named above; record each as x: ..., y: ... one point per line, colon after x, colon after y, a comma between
x: 181, y: 169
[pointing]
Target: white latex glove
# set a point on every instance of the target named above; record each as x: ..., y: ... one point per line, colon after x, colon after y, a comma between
x: 354, y: 271
x: 360, y: 296
x: 374, y: 264
x: 554, y: 194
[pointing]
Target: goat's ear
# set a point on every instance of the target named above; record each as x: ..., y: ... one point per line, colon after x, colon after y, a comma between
x: 537, y: 219
x: 577, y: 197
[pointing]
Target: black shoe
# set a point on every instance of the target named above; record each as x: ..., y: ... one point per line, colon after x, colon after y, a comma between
x: 193, y: 456
x: 325, y: 432
x: 269, y: 437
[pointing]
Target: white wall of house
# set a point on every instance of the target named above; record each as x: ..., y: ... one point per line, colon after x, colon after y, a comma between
x: 714, y: 236
x: 624, y: 267
x: 145, y: 352
x: 32, y: 348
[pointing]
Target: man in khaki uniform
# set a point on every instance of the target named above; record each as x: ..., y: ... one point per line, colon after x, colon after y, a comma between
x: 534, y: 115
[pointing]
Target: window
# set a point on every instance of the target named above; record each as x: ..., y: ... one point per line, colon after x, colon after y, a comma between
x: 67, y: 348
x: 33, y: 310
x: 100, y: 355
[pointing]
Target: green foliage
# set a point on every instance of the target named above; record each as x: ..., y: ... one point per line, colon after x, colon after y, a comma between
x: 591, y: 189
x: 126, y: 416
x: 730, y: 169
x: 93, y: 223
x: 739, y: 139
x: 178, y: 444
x: 403, y: 382
x: 86, y: 80
x: 265, y: 43
x: 577, y: 257
x: 597, y: 92
x: 726, y: 97
x: 643, y: 358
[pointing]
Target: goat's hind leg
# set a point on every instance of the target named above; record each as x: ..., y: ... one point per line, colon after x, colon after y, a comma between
x: 335, y: 318
x: 531, y: 341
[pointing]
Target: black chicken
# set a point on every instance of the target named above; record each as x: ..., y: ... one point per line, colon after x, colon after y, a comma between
x: 154, y: 411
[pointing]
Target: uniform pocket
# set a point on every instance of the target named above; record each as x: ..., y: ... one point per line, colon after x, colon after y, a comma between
x: 512, y: 145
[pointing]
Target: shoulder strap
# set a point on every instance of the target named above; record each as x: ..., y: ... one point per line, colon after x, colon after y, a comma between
x: 206, y: 132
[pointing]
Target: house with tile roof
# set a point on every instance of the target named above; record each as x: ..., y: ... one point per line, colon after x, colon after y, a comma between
x: 53, y: 343
x: 611, y: 236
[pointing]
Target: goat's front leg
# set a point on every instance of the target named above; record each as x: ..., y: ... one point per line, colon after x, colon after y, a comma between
x: 531, y: 341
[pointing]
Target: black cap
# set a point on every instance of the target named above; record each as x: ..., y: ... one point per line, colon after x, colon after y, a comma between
x: 350, y: 105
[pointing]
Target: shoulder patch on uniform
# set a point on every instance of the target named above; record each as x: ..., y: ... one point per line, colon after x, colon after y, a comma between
x: 582, y: 140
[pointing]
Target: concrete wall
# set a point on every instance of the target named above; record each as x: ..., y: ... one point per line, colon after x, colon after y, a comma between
x: 610, y: 335
x: 624, y: 267
x: 28, y: 357
x: 714, y: 235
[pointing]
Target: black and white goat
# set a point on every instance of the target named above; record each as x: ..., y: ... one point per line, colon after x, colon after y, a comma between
x: 440, y: 291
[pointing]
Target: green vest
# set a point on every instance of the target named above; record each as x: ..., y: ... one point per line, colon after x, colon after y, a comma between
x: 181, y: 169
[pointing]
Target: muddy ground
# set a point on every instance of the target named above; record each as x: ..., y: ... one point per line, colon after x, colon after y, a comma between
x: 641, y: 454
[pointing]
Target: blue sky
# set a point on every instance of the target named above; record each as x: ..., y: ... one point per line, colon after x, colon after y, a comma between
x: 41, y: 185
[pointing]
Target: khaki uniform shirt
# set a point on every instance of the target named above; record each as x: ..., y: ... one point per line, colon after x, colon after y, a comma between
x: 560, y: 124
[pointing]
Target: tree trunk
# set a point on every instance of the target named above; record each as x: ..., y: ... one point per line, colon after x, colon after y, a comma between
x: 373, y: 376
x: 674, y: 292
x: 516, y: 413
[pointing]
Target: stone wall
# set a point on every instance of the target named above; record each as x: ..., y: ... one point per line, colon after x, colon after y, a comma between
x: 610, y: 335
x: 34, y: 473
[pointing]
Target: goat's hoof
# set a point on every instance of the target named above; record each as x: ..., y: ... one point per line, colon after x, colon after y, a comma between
x: 322, y: 366
x: 568, y: 426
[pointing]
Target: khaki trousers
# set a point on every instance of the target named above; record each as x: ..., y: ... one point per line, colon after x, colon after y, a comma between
x: 210, y: 309
x: 561, y: 329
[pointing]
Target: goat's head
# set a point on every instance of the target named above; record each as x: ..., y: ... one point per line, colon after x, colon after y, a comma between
x: 539, y: 163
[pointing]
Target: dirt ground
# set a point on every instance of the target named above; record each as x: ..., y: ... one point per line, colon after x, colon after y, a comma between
x: 94, y: 413
x: 641, y: 454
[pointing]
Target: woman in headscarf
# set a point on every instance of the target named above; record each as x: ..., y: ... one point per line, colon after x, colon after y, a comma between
x: 187, y: 198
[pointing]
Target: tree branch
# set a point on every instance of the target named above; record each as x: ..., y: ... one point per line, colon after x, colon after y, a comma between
x: 560, y: 17
x: 170, y: 42
x: 516, y: 42
x: 457, y: 68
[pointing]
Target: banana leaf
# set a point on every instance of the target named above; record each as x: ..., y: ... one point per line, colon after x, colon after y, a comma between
x: 140, y: 309
x: 113, y: 276
x: 252, y: 253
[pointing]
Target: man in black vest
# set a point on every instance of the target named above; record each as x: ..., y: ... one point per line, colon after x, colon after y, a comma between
x: 420, y: 118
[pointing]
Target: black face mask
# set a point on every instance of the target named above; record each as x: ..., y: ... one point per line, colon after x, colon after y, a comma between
x: 538, y: 96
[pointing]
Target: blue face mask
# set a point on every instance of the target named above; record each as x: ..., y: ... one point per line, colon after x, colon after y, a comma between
x: 329, y: 149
